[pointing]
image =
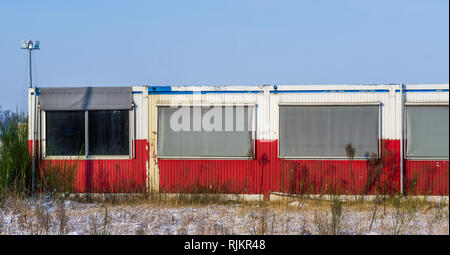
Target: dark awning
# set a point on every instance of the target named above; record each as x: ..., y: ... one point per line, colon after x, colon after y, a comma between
x: 86, y: 98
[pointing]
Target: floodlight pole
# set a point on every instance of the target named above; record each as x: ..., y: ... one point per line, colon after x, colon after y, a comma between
x: 32, y: 45
x: 31, y: 80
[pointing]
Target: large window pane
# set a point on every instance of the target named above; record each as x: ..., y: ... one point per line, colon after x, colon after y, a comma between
x: 427, y: 131
x: 109, y: 132
x: 324, y: 131
x: 65, y: 133
x: 191, y: 131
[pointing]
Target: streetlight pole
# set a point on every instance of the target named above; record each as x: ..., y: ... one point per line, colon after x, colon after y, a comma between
x: 31, y: 80
x: 32, y: 45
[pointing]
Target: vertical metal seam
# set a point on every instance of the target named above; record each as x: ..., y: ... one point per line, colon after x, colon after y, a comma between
x: 401, y: 138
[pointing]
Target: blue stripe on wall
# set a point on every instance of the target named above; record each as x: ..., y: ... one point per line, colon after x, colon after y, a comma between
x: 329, y: 91
x: 160, y: 92
x: 159, y: 88
x: 423, y: 90
x: 202, y: 92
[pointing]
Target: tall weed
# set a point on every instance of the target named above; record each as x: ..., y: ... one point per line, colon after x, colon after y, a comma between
x: 15, y: 159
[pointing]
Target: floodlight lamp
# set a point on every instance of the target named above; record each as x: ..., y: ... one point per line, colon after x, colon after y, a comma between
x: 36, y: 45
x: 30, y: 45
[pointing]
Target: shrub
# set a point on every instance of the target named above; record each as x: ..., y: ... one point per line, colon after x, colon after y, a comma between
x: 15, y: 163
x: 58, y: 178
x: 15, y: 159
x: 332, y: 222
x: 403, y: 214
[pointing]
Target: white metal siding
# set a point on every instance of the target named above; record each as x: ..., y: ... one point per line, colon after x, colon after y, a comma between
x: 267, y: 103
x: 141, y: 111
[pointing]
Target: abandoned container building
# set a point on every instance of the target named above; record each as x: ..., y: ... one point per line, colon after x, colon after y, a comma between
x: 253, y: 140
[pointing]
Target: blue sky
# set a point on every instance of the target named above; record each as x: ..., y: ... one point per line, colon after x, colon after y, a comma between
x: 109, y: 43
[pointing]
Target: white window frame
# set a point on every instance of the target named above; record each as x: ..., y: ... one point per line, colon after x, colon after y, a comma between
x: 405, y: 130
x: 379, y: 104
x: 86, y: 156
x: 253, y: 105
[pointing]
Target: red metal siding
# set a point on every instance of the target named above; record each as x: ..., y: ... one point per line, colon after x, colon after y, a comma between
x: 426, y: 177
x: 265, y: 173
x: 268, y: 173
x: 111, y: 176
x: 339, y: 176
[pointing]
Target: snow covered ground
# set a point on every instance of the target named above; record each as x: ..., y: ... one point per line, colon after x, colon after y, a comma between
x: 304, y: 217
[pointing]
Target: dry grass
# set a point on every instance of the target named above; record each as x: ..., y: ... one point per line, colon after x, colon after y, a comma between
x: 1, y: 223
x: 301, y: 216
x: 62, y: 218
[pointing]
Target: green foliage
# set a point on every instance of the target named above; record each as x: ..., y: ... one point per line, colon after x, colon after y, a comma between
x: 16, y: 165
x: 15, y: 159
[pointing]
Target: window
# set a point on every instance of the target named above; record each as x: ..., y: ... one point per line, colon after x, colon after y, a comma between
x: 65, y: 133
x: 90, y: 121
x: 108, y: 132
x: 319, y: 131
x: 427, y: 131
x: 196, y: 131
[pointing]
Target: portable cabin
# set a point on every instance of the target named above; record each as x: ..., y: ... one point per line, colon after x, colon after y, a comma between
x: 312, y: 139
x: 103, y: 130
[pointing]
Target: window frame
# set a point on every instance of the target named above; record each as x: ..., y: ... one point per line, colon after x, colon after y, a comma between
x: 86, y: 156
x: 379, y: 104
x: 405, y: 131
x: 253, y: 132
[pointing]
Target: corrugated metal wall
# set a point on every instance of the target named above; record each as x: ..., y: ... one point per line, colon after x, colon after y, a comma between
x: 266, y: 172
x: 426, y: 177
x: 109, y: 176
